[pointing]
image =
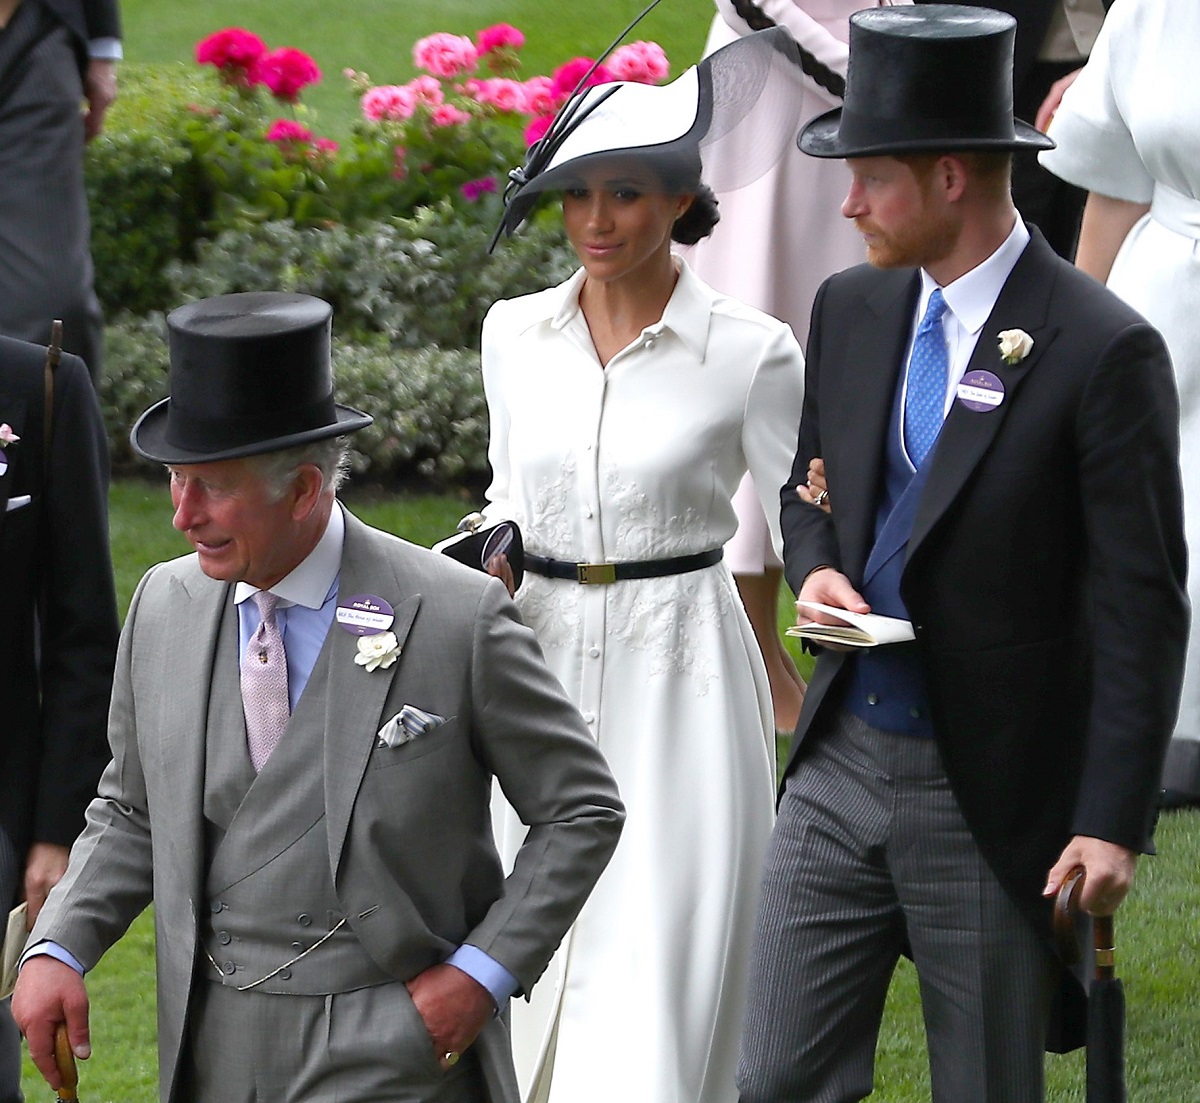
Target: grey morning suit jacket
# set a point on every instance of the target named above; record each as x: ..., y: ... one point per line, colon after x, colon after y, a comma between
x: 409, y: 837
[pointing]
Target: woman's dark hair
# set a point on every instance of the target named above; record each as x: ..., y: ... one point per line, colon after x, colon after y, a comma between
x: 698, y: 220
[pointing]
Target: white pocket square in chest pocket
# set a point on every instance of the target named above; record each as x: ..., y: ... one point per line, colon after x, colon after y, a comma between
x: 407, y: 724
x: 17, y: 502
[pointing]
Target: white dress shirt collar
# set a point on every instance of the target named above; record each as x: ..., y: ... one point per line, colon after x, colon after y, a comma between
x: 308, y: 584
x: 687, y: 315
x: 971, y: 297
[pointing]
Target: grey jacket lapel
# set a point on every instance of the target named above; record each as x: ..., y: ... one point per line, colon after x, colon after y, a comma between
x: 355, y: 698
x: 192, y: 615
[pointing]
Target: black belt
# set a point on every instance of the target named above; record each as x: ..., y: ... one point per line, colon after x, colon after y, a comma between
x: 593, y: 574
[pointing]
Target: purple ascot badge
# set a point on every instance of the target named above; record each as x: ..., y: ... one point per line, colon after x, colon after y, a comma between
x: 365, y: 615
x: 981, y: 391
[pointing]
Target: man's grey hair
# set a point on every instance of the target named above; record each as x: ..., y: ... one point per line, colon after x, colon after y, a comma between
x: 277, y: 469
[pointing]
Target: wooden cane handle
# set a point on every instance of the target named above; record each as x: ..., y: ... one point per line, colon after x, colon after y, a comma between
x: 1066, y: 904
x: 65, y: 1060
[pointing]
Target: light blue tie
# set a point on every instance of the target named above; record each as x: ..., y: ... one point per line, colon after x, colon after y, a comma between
x: 925, y: 399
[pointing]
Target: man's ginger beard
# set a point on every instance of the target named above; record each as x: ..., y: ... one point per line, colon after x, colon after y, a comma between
x: 926, y: 238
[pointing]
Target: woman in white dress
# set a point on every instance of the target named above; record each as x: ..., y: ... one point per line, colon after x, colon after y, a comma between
x: 1128, y: 130
x: 625, y: 406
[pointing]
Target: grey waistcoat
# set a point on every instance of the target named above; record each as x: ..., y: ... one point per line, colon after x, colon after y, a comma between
x: 269, y: 893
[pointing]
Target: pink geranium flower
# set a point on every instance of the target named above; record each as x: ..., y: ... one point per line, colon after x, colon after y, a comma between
x: 537, y: 128
x: 473, y: 189
x: 285, y: 72
x: 388, y: 101
x: 567, y: 76
x: 503, y: 36
x: 644, y: 62
x: 327, y: 146
x: 287, y: 131
x: 500, y: 93
x: 445, y: 55
x: 446, y: 114
x: 427, y: 90
x: 539, y: 96
x: 233, y: 50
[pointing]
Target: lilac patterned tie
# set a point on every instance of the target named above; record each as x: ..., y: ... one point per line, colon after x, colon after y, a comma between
x: 265, y: 683
x: 925, y: 398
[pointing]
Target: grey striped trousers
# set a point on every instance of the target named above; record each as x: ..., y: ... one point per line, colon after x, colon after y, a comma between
x: 870, y: 854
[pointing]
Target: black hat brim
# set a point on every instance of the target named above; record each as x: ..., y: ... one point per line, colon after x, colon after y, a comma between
x: 149, y: 437
x: 821, y: 138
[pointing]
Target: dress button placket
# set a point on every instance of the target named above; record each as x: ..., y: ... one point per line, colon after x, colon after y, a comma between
x: 592, y: 598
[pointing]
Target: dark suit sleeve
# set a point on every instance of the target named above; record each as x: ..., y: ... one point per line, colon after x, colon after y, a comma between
x: 103, y: 18
x: 808, y: 532
x: 77, y: 610
x: 1128, y: 429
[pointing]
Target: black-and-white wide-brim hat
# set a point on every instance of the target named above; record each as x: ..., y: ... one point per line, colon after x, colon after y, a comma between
x: 673, y: 131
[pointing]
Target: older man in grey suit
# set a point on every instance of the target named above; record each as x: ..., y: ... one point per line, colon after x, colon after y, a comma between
x: 311, y: 820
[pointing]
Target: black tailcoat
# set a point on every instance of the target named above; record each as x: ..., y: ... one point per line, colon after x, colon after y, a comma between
x: 1045, y: 572
x: 58, y: 618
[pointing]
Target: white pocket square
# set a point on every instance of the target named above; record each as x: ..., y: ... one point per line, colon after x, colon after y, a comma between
x: 17, y: 502
x: 407, y: 724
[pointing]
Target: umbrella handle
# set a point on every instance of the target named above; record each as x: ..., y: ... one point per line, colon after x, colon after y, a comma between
x: 65, y: 1060
x: 1066, y: 905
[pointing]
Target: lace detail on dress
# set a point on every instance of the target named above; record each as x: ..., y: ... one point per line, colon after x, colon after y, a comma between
x: 549, y: 606
x: 674, y: 620
x: 547, y: 529
x: 641, y: 531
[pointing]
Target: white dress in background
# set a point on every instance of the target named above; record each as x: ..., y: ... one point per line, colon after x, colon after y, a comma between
x: 639, y: 461
x: 782, y: 236
x: 1130, y: 128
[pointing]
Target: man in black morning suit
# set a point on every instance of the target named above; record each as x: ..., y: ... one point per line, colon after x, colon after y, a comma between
x: 1021, y: 506
x: 54, y: 56
x: 58, y: 631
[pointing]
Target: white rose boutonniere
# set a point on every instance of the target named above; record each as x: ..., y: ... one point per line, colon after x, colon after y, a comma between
x: 1014, y: 345
x: 378, y: 651
x: 7, y: 436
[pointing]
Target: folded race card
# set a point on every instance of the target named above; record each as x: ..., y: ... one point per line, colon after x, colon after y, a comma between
x: 857, y: 629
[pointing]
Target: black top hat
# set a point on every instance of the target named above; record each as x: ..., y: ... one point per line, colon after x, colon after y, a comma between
x: 250, y: 373
x: 935, y: 77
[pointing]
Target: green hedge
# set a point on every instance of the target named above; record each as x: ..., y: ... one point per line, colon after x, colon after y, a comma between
x: 145, y: 193
x: 426, y: 280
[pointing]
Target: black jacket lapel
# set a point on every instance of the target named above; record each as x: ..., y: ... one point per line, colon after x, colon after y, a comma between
x: 868, y: 372
x: 967, y: 434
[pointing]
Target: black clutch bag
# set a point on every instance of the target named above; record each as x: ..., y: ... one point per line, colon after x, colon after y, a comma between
x: 474, y: 545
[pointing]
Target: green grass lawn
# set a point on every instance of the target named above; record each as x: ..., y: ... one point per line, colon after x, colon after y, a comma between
x: 1157, y: 939
x: 376, y: 36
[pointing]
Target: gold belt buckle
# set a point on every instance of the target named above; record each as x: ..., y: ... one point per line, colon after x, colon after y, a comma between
x: 596, y: 574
